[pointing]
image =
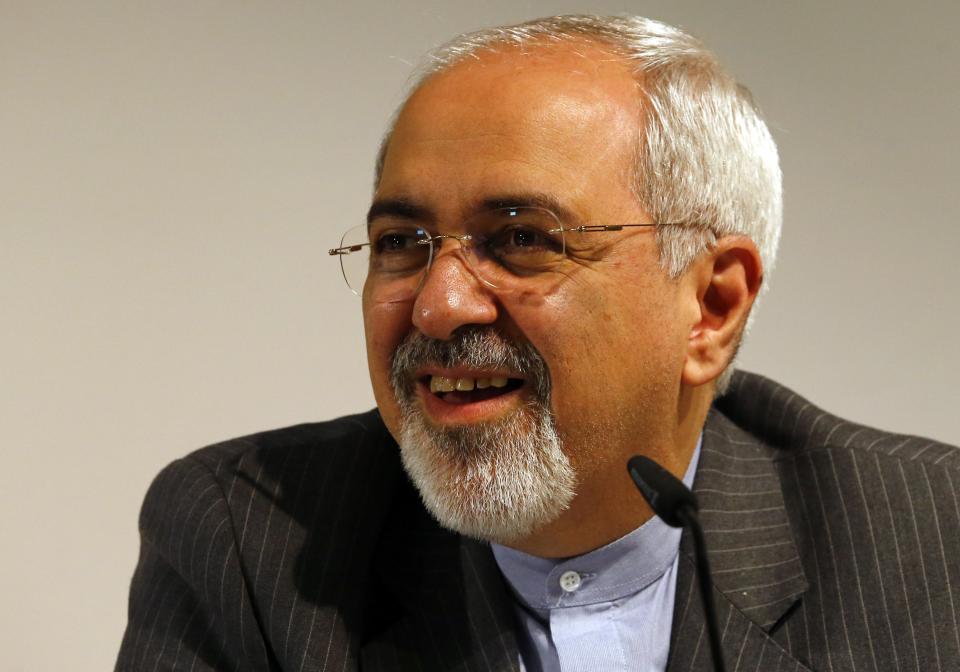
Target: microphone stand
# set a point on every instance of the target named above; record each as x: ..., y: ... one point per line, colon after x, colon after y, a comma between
x: 677, y: 506
x: 689, y: 517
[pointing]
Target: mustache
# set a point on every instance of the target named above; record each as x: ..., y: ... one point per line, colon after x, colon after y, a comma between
x: 476, y: 347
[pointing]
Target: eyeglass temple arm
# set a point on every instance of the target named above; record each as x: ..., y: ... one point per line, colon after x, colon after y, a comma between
x: 596, y: 227
x: 347, y: 250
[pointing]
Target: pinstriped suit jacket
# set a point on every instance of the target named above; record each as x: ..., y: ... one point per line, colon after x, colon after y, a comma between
x: 833, y: 547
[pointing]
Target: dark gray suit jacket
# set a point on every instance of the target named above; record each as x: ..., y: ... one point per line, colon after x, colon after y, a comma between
x: 833, y: 547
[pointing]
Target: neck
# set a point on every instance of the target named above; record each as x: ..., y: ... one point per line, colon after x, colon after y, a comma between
x: 607, y: 505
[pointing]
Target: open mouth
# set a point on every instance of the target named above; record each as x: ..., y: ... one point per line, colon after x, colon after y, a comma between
x: 468, y: 390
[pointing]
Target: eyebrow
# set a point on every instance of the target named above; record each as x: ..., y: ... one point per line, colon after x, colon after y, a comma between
x: 403, y: 208
x: 406, y: 208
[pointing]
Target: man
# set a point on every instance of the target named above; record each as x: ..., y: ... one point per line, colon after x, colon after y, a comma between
x: 570, y: 226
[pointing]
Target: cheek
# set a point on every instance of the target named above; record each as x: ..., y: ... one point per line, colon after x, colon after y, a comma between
x: 385, y: 326
x: 608, y: 346
x: 572, y: 335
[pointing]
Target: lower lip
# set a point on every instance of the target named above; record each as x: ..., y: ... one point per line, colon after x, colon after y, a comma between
x: 445, y: 413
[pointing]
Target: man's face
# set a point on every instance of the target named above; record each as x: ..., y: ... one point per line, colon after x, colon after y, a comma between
x: 610, y: 328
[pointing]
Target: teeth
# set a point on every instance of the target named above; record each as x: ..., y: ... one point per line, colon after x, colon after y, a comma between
x: 445, y: 384
x: 441, y: 384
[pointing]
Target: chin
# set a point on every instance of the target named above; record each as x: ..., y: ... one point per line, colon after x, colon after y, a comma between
x: 496, y: 481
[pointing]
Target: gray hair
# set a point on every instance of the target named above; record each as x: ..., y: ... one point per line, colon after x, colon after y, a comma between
x: 707, y: 164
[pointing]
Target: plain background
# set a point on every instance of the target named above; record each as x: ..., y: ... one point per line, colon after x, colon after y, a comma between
x: 172, y: 174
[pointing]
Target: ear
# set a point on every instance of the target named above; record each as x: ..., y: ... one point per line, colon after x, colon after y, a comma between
x: 726, y: 281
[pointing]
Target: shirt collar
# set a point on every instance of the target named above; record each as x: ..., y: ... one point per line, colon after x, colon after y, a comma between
x: 619, y: 569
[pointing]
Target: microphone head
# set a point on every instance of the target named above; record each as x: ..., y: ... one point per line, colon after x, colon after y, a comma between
x: 665, y: 493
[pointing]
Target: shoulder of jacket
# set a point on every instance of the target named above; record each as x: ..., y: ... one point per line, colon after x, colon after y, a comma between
x: 211, y: 477
x: 362, y: 431
x: 775, y: 415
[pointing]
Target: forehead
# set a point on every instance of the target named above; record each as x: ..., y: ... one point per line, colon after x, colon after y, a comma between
x: 517, y: 119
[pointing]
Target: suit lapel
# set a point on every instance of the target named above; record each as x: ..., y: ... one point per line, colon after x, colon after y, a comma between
x: 754, y: 561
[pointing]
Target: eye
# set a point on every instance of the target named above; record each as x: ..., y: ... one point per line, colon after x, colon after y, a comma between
x: 397, y: 241
x: 525, y: 249
x: 521, y: 240
x: 394, y: 250
x: 519, y: 237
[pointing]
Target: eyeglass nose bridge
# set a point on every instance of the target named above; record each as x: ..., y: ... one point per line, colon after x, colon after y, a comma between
x: 466, y: 247
x: 460, y: 239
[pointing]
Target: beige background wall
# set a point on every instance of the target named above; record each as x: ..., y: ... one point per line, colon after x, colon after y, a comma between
x: 171, y: 174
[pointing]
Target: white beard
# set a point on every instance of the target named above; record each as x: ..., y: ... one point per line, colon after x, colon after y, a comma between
x: 493, y: 481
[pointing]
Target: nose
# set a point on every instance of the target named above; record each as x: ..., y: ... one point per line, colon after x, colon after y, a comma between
x: 452, y: 296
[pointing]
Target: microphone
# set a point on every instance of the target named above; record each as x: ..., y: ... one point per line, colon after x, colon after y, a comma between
x: 677, y: 506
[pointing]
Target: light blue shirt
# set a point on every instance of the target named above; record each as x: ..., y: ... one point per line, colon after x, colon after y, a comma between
x: 610, y: 609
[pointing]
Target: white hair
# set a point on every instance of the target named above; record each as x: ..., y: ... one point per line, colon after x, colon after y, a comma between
x: 707, y: 164
x: 494, y: 481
